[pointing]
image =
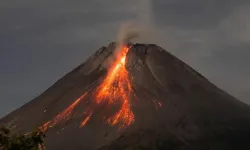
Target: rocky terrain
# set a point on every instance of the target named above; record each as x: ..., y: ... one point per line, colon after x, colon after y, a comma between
x: 175, y: 107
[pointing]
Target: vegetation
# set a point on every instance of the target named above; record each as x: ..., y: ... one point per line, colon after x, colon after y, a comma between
x: 30, y: 141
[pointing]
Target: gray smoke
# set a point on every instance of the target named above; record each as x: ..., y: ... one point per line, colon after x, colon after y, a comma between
x: 141, y: 27
x: 127, y: 32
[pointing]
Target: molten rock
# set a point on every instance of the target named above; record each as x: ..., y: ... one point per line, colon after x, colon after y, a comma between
x: 137, y: 97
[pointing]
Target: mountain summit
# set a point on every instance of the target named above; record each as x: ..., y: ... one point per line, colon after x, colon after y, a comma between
x: 135, y: 96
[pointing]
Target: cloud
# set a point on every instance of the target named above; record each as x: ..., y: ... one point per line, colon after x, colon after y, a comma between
x: 193, y: 14
x: 221, y: 51
x: 236, y: 27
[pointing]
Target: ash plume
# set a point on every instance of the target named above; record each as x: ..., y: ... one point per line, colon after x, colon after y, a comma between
x: 128, y: 31
x: 139, y: 30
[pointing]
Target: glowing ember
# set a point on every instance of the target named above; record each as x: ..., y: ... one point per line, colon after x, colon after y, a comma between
x: 86, y: 120
x: 125, y: 116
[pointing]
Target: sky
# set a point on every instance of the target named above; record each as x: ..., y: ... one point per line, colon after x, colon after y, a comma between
x: 41, y: 41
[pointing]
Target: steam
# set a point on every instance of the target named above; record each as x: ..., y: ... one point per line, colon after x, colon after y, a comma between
x: 141, y: 29
x: 128, y: 31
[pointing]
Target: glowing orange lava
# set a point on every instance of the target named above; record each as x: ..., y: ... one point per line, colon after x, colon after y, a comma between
x: 64, y: 115
x: 116, y: 88
x: 86, y: 120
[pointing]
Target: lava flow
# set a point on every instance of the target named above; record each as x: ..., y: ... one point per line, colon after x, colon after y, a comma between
x: 116, y: 87
x: 64, y: 115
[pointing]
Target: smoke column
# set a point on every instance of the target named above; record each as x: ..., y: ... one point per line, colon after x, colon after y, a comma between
x: 139, y: 29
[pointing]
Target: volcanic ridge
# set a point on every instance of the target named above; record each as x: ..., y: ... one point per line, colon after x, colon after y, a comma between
x: 135, y: 96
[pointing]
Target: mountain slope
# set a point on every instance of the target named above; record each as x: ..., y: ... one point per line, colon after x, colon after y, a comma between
x: 173, y: 106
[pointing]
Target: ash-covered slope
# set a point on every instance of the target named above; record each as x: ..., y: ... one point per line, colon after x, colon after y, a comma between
x: 174, y: 108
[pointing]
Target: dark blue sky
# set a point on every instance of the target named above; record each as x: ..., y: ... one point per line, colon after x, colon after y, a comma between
x: 43, y: 40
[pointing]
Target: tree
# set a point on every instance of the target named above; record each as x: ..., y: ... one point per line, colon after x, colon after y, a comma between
x: 30, y: 141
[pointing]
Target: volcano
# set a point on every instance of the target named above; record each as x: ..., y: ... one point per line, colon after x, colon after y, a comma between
x: 135, y: 96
